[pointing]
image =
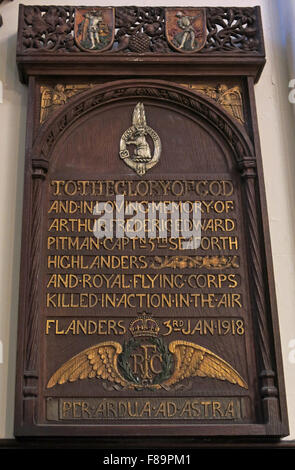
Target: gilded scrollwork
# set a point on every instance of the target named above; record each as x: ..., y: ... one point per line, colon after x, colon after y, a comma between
x: 207, y: 262
x: 229, y: 97
x: 53, y: 97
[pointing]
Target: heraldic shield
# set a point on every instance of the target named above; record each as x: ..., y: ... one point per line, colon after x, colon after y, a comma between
x: 94, y: 28
x: 186, y: 28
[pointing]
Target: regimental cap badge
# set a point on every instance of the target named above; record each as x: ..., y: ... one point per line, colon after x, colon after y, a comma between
x: 140, y: 145
x: 94, y: 28
x: 186, y: 29
x: 144, y: 325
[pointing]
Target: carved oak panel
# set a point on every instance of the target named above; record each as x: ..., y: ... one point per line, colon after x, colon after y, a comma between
x: 147, y: 301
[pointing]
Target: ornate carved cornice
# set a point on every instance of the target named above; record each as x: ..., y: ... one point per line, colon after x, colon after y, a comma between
x: 140, y: 30
x: 49, y: 36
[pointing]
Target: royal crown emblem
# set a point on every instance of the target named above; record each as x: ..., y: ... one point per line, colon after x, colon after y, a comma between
x: 144, y: 325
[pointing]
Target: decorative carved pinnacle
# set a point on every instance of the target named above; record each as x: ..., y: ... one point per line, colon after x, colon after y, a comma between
x: 30, y: 387
x: 247, y: 167
x: 268, y: 388
x: 39, y: 168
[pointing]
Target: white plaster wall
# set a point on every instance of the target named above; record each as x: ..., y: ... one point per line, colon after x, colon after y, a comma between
x: 277, y: 125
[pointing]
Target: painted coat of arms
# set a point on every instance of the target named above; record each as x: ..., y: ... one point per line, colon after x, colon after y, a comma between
x: 94, y: 28
x: 186, y: 28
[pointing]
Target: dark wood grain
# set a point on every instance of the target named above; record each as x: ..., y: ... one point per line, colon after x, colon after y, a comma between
x: 201, y: 140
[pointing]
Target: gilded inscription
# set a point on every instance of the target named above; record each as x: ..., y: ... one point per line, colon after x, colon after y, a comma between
x: 212, y: 408
x: 111, y: 275
x: 143, y: 188
x: 209, y: 326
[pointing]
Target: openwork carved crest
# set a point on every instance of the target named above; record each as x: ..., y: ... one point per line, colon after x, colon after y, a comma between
x: 139, y: 30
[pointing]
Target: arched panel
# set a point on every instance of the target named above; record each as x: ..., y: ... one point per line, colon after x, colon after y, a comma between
x: 161, y: 92
x: 97, y: 136
x: 128, y: 325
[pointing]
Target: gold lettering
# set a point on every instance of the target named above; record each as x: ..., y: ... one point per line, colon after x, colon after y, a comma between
x: 230, y: 410
x: 66, y: 408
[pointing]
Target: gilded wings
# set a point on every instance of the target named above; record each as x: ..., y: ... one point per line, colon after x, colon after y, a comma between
x: 192, y: 360
x: 101, y: 361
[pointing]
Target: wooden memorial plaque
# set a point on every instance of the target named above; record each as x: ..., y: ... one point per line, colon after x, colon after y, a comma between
x: 147, y: 302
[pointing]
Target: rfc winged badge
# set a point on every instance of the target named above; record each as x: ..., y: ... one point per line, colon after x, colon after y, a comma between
x: 135, y: 148
x: 94, y: 28
x: 186, y: 28
x: 145, y: 362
